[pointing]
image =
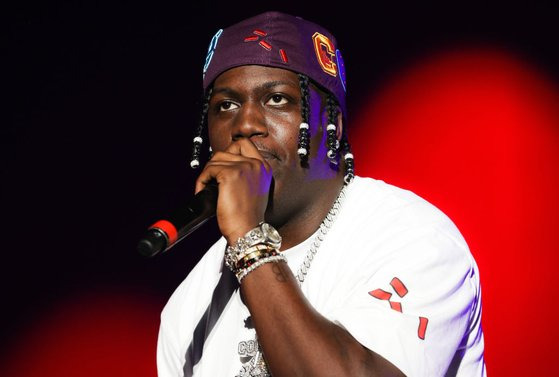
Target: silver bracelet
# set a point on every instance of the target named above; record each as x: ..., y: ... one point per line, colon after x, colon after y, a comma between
x: 274, y: 258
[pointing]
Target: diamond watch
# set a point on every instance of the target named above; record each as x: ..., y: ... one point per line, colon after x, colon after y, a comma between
x: 264, y: 233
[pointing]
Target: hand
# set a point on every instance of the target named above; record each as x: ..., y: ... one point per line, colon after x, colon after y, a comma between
x: 244, y: 178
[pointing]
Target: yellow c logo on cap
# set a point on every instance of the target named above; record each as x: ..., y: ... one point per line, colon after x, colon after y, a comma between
x: 325, y: 53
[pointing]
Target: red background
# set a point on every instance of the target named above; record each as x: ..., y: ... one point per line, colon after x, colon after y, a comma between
x: 458, y: 105
x: 476, y: 132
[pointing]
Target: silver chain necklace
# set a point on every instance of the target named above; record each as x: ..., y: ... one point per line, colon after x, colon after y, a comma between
x: 256, y: 365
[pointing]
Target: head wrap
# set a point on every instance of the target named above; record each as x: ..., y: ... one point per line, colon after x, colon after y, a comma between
x: 279, y: 40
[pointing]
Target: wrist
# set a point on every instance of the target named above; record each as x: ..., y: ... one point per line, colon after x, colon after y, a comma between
x: 241, y: 231
x: 262, y: 233
x: 256, y: 247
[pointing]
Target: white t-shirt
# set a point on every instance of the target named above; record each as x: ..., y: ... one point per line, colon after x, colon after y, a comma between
x: 393, y: 271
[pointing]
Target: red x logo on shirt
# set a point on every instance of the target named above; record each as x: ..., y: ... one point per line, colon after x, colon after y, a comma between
x: 401, y: 291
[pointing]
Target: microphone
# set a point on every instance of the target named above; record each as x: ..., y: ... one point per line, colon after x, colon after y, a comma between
x: 166, y: 233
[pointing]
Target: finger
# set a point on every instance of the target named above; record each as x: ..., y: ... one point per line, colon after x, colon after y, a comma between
x: 243, y: 150
x: 245, y: 147
x: 206, y: 176
x: 213, y: 171
x: 227, y: 156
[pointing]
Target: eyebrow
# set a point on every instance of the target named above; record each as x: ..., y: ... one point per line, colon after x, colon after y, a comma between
x: 271, y: 84
x: 267, y: 85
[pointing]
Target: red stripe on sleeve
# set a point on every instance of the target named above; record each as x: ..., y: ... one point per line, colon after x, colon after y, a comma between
x: 396, y: 306
x: 422, y: 327
x: 380, y: 294
x: 399, y: 287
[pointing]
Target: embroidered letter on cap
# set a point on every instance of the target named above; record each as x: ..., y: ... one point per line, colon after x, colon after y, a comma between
x: 211, y: 49
x: 325, y: 53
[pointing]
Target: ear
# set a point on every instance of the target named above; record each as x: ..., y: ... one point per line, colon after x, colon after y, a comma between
x: 339, y: 125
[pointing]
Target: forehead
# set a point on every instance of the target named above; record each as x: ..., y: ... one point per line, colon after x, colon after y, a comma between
x: 251, y: 75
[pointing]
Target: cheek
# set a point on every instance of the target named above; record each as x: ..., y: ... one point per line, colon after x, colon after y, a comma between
x: 219, y: 138
x: 284, y: 131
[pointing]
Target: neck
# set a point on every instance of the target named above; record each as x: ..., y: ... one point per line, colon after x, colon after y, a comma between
x: 306, y: 219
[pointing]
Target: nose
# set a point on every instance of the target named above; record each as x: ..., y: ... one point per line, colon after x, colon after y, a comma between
x: 249, y: 122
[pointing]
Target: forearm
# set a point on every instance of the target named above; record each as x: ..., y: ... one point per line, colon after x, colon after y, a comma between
x: 296, y: 339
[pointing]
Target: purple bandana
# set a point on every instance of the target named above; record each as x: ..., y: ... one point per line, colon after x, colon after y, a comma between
x: 280, y: 40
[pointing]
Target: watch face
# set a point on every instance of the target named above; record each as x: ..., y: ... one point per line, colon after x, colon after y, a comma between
x: 271, y: 233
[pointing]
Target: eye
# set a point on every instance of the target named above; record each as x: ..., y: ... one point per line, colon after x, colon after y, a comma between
x: 277, y: 100
x: 227, y: 106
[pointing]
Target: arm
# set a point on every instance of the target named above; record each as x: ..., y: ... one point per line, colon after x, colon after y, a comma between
x: 296, y: 339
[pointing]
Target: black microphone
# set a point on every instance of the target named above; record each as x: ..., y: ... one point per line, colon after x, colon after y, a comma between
x: 166, y: 233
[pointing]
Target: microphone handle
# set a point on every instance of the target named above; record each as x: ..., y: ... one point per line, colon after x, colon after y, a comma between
x: 166, y: 233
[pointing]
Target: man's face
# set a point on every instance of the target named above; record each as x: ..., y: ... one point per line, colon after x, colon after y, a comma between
x: 263, y: 104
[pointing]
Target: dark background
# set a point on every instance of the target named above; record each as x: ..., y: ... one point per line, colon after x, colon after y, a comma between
x: 102, y: 98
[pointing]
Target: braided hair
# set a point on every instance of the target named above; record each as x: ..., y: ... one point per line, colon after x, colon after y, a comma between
x: 334, y: 146
x: 198, y: 140
x: 304, y: 133
x: 348, y: 158
x: 332, y: 143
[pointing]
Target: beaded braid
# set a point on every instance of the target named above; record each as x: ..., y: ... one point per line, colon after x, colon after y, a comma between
x: 348, y: 158
x: 332, y: 141
x: 197, y: 142
x: 304, y: 136
x: 333, y: 144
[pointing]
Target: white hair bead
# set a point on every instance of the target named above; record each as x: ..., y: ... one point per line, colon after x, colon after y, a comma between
x: 331, y: 127
x: 348, y: 178
x: 194, y: 163
x: 198, y: 140
x: 302, y: 151
x: 304, y: 126
x: 348, y: 156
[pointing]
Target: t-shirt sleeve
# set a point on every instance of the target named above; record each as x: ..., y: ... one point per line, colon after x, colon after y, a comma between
x: 413, y: 303
x: 184, y: 309
x: 169, y: 359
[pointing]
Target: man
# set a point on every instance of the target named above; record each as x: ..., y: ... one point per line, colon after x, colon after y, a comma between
x: 367, y: 279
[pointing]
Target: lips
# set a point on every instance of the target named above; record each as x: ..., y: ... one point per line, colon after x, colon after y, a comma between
x: 268, y: 154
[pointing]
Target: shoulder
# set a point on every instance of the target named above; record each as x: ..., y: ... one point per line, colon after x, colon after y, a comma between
x: 375, y: 198
x: 390, y: 230
x: 393, y: 214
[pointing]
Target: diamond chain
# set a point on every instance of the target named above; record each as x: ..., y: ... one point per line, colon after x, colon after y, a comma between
x: 324, y: 228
